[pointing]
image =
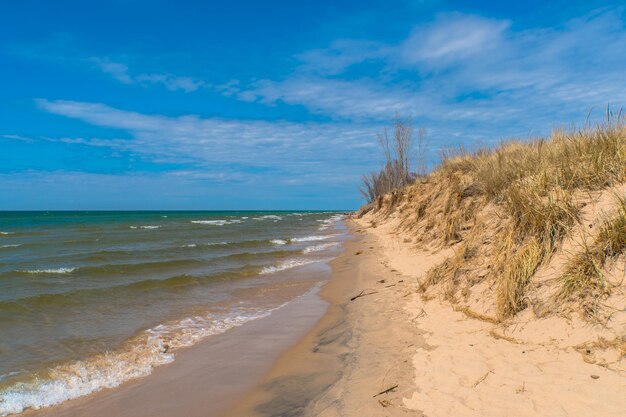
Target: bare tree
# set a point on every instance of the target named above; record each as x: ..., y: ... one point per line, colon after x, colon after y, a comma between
x: 422, y: 150
x: 398, y: 150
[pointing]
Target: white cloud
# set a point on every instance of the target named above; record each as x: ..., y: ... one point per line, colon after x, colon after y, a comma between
x: 242, y: 145
x: 460, y: 71
x: 16, y: 137
x: 114, y: 69
x: 339, y: 98
x: 121, y: 73
x: 340, y: 55
x: 452, y: 38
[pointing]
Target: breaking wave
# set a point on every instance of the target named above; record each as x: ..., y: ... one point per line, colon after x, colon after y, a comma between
x: 138, y: 358
x: 288, y: 264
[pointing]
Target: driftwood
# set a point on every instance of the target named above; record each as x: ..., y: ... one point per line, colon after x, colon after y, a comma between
x: 362, y: 294
x: 386, y: 391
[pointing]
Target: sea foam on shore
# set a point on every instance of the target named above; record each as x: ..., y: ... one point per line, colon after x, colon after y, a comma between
x: 149, y: 349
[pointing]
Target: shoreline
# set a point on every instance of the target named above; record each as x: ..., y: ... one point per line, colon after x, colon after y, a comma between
x: 356, y: 351
x: 206, y: 378
x: 375, y: 346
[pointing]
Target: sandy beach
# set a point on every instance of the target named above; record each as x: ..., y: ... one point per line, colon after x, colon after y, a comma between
x: 367, y: 343
x: 391, y: 352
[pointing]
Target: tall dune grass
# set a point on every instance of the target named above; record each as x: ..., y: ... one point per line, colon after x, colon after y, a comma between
x: 584, y: 273
x: 534, y: 184
x: 531, y: 188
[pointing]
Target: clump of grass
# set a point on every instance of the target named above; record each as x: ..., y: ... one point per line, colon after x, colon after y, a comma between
x: 519, y: 266
x: 435, y: 275
x: 583, y: 275
x: 538, y: 224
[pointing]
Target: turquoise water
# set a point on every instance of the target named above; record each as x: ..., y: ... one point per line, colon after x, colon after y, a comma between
x: 91, y: 299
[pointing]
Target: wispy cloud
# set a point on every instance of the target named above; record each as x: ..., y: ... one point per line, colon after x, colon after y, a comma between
x: 294, y: 149
x: 452, y: 38
x: 16, y: 137
x: 462, y: 70
x: 121, y: 73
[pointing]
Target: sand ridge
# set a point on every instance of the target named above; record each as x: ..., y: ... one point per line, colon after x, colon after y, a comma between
x: 474, y: 367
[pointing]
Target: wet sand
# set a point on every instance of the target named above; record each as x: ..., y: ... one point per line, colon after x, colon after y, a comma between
x: 360, y: 348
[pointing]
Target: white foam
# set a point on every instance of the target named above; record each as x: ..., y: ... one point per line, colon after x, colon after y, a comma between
x: 268, y: 217
x: 193, y: 245
x: 330, y: 222
x: 216, y: 222
x: 11, y: 246
x: 149, y: 227
x: 320, y: 247
x: 311, y: 238
x: 7, y: 233
x: 278, y: 241
x: 288, y: 264
x: 51, y: 271
x: 156, y: 347
x: 271, y: 217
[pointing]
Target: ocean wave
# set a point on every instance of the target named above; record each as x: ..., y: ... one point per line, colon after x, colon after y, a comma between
x: 216, y: 222
x: 330, y: 222
x: 278, y: 241
x: 268, y: 217
x: 311, y: 238
x: 138, y: 358
x: 50, y: 271
x: 320, y: 247
x: 15, y: 245
x: 288, y: 264
x: 193, y: 245
x: 7, y: 233
x: 150, y: 227
x: 123, y: 291
x: 121, y: 268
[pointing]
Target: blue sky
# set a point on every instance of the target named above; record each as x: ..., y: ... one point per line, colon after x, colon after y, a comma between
x: 133, y: 104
